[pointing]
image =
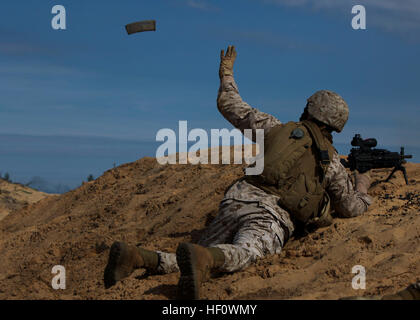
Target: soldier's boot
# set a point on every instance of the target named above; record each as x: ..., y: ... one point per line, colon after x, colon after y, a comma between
x: 196, y: 263
x: 124, y: 259
x: 410, y: 293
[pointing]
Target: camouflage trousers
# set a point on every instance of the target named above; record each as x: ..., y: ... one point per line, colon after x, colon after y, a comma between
x: 244, y: 231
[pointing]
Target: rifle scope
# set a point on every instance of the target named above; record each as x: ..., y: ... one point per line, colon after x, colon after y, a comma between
x: 363, y: 143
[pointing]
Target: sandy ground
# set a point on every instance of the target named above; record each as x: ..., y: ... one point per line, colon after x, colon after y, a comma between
x: 159, y: 206
x: 15, y: 196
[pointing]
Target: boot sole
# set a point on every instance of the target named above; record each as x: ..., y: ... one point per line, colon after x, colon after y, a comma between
x: 188, y: 286
x: 112, y: 273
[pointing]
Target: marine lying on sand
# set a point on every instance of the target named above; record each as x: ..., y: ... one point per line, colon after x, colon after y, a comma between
x: 257, y: 216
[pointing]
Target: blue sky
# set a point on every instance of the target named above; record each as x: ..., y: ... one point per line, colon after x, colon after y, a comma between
x: 93, y: 80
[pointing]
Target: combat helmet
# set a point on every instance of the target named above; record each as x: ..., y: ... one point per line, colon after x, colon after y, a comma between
x: 329, y: 108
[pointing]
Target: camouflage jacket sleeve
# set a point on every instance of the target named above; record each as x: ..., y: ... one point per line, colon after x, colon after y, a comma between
x: 240, y: 114
x: 346, y: 201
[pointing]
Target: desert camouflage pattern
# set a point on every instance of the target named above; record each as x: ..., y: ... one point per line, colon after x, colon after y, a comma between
x: 329, y: 108
x: 167, y: 263
x: 250, y: 224
x: 243, y: 230
x: 240, y: 114
x: 346, y: 201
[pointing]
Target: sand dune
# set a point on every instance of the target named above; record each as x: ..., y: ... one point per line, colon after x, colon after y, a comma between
x: 14, y: 196
x: 159, y: 206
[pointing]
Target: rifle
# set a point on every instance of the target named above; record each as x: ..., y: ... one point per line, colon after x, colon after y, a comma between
x: 364, y: 157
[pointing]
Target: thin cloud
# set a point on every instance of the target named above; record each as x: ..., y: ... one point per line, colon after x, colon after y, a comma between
x: 406, y: 6
x: 202, y: 5
x: 27, y: 48
x: 19, y: 48
x: 271, y: 39
x: 39, y: 70
x: 389, y: 15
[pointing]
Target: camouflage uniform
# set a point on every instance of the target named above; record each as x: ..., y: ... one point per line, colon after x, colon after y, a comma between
x: 250, y: 224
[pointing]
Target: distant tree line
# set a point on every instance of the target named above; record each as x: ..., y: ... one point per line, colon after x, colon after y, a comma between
x: 6, y: 177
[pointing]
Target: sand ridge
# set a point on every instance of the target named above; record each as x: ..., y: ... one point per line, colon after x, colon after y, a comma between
x: 14, y: 196
x: 158, y: 206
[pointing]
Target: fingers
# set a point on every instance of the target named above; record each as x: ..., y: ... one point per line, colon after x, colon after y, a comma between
x: 230, y: 52
x: 234, y: 52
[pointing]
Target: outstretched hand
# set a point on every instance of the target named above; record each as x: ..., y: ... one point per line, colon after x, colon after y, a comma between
x: 227, y: 61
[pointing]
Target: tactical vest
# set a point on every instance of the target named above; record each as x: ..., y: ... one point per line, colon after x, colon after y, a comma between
x: 296, y: 158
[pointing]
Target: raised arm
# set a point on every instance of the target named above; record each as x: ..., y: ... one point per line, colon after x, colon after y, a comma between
x: 230, y: 104
x: 347, y: 201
